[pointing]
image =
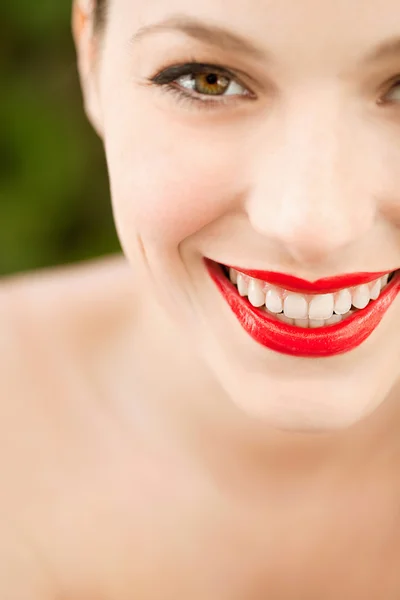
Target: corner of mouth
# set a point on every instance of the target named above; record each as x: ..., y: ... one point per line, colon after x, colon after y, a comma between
x: 319, y: 307
x: 312, y: 323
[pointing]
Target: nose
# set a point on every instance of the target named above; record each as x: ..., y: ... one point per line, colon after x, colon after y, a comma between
x: 311, y: 190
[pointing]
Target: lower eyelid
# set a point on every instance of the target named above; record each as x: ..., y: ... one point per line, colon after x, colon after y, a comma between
x: 200, y: 101
x: 169, y: 78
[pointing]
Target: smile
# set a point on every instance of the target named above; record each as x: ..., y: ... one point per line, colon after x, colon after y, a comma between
x: 301, y: 318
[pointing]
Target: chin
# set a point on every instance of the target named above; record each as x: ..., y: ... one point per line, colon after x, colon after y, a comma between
x: 317, y: 411
x: 319, y: 393
x: 291, y: 394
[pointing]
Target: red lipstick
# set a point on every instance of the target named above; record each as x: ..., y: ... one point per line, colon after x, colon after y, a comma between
x: 321, y: 286
x: 296, y: 341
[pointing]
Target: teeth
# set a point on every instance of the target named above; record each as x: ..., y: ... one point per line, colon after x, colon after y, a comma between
x: 321, y: 307
x: 375, y: 290
x: 242, y: 285
x: 256, y: 294
x: 361, y: 296
x: 295, y: 307
x: 273, y: 301
x: 342, y: 302
x: 285, y: 319
x: 334, y: 319
x: 314, y: 323
x: 305, y: 311
x: 301, y: 323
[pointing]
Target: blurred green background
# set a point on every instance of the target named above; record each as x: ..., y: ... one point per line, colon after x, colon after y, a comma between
x: 54, y: 194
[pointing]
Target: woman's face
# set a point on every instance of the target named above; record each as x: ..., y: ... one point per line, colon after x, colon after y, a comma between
x: 286, y: 160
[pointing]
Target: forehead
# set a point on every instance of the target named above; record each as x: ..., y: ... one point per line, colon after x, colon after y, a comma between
x: 313, y: 32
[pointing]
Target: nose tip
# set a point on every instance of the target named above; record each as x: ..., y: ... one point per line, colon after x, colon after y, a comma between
x: 313, y: 196
x: 315, y: 235
x: 313, y: 244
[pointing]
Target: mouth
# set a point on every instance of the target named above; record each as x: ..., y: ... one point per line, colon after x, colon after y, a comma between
x: 299, y: 318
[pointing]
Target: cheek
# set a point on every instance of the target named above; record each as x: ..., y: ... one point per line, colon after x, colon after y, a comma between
x: 167, y: 184
x: 389, y: 161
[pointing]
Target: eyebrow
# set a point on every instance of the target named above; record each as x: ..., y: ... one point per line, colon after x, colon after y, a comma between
x: 226, y: 39
x: 386, y: 49
x: 205, y: 32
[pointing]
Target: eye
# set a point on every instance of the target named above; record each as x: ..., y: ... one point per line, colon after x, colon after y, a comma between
x: 201, y: 83
x: 210, y: 83
x: 394, y: 92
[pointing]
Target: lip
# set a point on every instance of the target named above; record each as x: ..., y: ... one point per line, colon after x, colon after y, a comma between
x: 301, y: 342
x: 326, y: 285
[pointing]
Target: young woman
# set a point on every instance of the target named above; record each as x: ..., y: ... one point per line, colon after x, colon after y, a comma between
x: 216, y: 416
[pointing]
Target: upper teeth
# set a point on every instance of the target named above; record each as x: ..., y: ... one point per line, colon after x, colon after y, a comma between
x: 315, y: 307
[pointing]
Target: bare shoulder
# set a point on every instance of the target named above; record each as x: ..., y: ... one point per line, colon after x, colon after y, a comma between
x: 55, y: 429
x: 71, y: 305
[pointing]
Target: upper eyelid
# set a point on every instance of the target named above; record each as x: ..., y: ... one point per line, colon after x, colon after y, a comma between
x: 193, y: 66
x: 177, y: 70
x: 394, y: 81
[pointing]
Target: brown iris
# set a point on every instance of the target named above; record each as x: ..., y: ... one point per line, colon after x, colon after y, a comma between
x: 212, y: 84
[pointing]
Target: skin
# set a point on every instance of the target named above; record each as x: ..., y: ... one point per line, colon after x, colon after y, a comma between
x: 163, y: 453
x: 315, y: 191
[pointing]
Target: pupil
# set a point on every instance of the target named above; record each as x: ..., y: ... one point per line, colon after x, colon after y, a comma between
x: 212, y: 79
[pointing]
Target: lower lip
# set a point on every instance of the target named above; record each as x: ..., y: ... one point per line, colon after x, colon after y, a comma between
x: 296, y: 341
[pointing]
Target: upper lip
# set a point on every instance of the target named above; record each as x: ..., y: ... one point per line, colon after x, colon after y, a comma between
x: 324, y: 285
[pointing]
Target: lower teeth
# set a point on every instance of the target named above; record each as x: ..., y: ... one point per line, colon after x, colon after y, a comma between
x: 307, y: 323
x: 301, y: 323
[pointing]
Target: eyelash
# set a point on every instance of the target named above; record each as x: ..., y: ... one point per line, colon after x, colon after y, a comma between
x: 393, y: 83
x: 166, y: 77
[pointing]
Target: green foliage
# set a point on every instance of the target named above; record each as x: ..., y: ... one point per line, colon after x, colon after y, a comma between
x: 54, y: 193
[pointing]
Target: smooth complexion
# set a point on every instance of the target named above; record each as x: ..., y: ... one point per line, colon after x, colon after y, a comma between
x: 150, y: 446
x: 294, y: 169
